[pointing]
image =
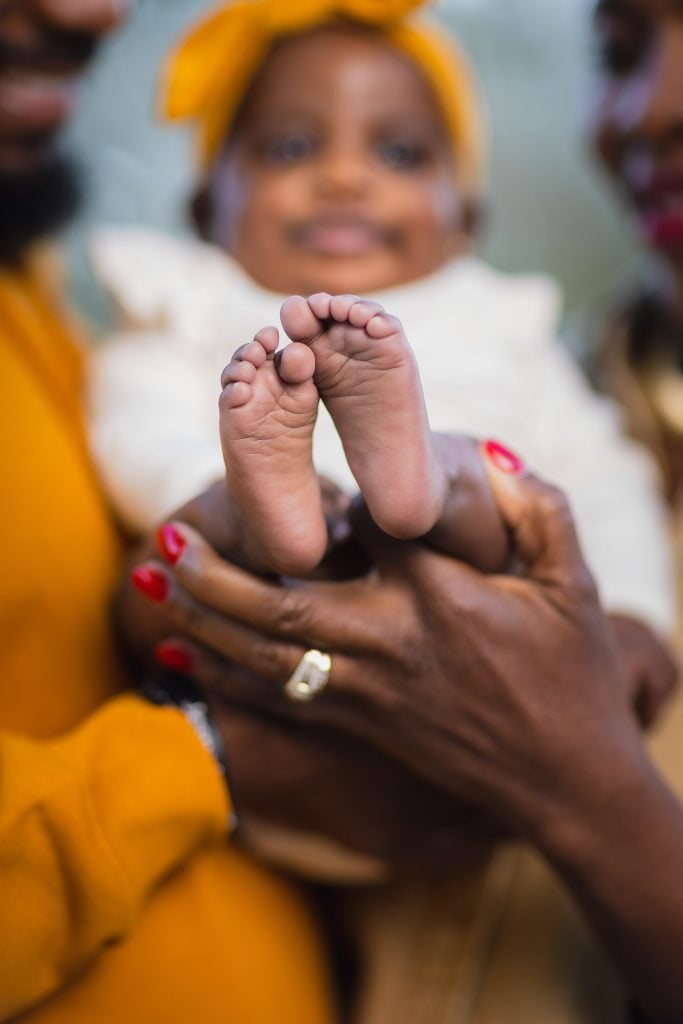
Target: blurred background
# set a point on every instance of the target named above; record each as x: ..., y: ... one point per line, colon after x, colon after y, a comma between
x: 549, y: 209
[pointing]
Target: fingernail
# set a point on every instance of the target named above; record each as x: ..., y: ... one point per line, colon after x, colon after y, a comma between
x: 503, y: 459
x: 170, y: 542
x: 151, y: 583
x: 172, y: 656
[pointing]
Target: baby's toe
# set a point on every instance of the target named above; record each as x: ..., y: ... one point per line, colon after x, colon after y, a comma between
x: 320, y: 304
x: 299, y: 320
x: 362, y: 311
x: 341, y: 306
x: 267, y: 338
x: 296, y: 363
x: 238, y: 370
x: 234, y: 395
x: 253, y: 352
x: 382, y: 324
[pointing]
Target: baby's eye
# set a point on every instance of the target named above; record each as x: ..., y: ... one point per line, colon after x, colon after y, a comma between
x: 291, y: 148
x: 617, y: 56
x: 621, y: 38
x: 402, y: 154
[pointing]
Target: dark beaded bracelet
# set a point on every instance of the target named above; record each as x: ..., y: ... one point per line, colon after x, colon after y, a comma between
x: 169, y: 689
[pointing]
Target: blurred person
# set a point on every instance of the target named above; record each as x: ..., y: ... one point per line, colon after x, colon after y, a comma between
x: 343, y: 153
x: 638, y: 136
x: 120, y: 898
x: 167, y: 285
x: 94, y: 821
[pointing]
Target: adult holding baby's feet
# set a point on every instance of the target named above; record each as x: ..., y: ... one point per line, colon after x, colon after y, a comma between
x: 341, y: 152
x: 506, y: 691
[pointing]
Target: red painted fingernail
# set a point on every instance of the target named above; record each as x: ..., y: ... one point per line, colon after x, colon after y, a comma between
x: 172, y: 656
x: 503, y: 459
x: 150, y: 582
x: 170, y: 542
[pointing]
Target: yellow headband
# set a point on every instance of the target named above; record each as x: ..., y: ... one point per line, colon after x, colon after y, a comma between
x: 210, y: 72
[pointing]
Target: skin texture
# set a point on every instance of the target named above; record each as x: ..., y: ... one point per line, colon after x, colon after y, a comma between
x: 547, y: 746
x: 637, y: 121
x: 354, y: 356
x: 388, y: 812
x: 28, y: 20
x: 339, y: 175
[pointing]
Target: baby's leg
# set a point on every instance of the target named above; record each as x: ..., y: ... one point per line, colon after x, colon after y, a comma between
x: 267, y: 415
x: 366, y: 374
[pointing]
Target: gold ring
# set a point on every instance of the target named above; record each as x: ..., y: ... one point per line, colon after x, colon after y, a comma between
x: 310, y: 676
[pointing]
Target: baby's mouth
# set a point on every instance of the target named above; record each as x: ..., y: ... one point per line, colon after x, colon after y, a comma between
x: 660, y: 209
x: 338, y: 237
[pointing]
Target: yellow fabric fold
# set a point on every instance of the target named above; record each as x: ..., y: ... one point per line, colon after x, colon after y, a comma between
x: 208, y: 75
x: 113, y: 859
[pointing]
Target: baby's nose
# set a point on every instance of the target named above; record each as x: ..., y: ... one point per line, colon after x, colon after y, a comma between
x: 344, y: 173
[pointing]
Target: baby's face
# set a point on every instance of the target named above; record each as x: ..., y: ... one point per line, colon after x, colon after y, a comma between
x: 638, y: 123
x: 340, y: 176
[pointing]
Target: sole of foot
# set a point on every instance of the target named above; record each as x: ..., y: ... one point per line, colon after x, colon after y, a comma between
x: 267, y: 411
x: 366, y: 374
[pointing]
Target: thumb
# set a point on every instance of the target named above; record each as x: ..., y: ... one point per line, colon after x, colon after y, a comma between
x: 538, y: 516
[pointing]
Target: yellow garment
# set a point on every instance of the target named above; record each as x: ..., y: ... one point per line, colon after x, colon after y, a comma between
x: 209, y: 75
x: 119, y: 898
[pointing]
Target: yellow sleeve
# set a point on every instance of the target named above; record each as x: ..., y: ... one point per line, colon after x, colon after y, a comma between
x: 89, y: 824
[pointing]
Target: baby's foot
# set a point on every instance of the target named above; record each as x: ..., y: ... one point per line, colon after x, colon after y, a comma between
x: 366, y: 374
x: 267, y: 415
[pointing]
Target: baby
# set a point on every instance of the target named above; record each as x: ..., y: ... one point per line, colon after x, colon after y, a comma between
x: 343, y: 156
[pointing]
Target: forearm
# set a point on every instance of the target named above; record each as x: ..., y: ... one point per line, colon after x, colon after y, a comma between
x: 620, y: 852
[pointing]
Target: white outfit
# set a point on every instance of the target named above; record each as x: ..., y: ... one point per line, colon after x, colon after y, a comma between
x: 490, y: 367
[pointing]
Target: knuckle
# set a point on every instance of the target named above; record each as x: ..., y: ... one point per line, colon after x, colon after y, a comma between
x: 583, y: 586
x: 587, y: 585
x: 289, y: 612
x: 188, y: 612
x: 553, y: 503
x: 270, y: 661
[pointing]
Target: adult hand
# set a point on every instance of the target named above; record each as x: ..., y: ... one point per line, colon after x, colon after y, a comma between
x: 507, y: 692
x: 312, y: 778
x: 494, y: 688
x: 313, y: 799
x: 650, y: 670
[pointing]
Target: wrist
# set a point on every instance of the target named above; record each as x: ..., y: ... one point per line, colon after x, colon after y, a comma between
x: 169, y: 689
x: 597, y: 801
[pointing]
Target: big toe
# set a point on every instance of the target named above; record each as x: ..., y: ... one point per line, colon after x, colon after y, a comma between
x: 296, y: 363
x: 299, y: 320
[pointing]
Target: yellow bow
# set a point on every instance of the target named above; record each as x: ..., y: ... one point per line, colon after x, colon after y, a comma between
x: 208, y: 75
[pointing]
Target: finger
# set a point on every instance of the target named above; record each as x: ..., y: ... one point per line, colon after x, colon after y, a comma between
x: 332, y: 616
x: 227, y: 680
x: 264, y: 655
x: 216, y: 674
x: 539, y: 518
